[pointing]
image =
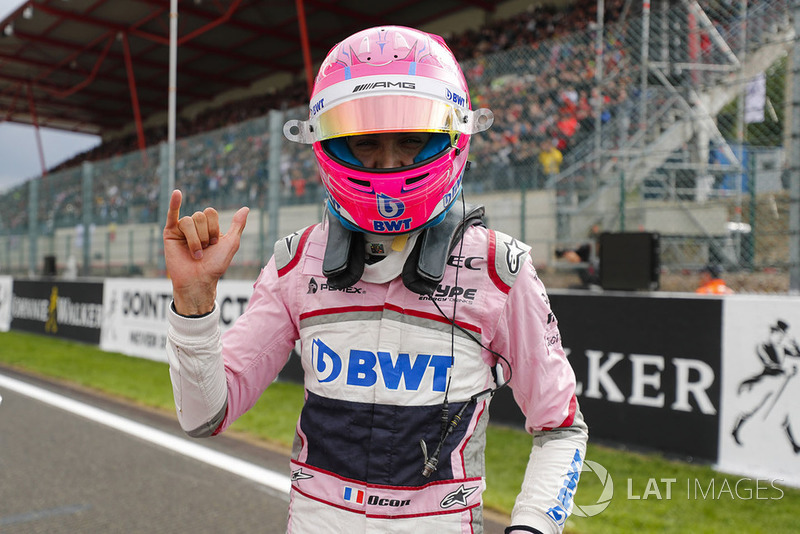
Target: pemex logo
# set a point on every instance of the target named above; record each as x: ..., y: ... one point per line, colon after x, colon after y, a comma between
x: 590, y: 510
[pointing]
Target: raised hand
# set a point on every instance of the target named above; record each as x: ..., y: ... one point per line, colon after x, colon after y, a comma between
x: 197, y: 255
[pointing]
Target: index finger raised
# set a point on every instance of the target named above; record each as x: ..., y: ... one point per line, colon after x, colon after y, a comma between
x: 174, y: 210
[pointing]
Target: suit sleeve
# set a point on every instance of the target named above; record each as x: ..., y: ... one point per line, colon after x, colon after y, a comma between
x: 216, y: 378
x: 543, y: 384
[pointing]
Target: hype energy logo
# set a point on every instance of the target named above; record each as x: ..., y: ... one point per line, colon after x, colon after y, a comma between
x: 392, y: 209
x: 364, y: 368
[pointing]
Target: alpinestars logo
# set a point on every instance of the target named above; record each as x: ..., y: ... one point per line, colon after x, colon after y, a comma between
x: 514, y: 254
x: 298, y: 474
x: 458, y: 496
x: 384, y: 85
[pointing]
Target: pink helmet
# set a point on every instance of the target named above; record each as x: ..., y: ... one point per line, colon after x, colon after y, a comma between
x: 390, y: 79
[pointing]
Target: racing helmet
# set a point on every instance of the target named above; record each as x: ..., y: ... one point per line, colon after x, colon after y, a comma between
x: 381, y: 80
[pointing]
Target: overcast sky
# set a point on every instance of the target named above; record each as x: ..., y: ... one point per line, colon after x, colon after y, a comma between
x: 19, y: 154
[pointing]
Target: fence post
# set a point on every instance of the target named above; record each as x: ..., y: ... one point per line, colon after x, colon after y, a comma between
x: 794, y: 169
x: 163, y: 199
x: 274, y: 175
x: 622, y: 200
x: 107, y: 252
x: 645, y: 69
x: 130, y: 252
x: 33, y: 224
x: 87, y: 215
x: 748, y: 256
x: 8, y: 249
x: 523, y: 211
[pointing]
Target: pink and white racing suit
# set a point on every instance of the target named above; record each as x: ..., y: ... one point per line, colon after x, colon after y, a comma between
x: 378, y: 361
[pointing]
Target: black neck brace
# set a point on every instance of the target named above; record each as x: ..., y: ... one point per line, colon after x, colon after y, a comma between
x: 344, y: 260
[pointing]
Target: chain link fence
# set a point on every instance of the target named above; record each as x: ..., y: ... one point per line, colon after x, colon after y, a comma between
x: 675, y: 117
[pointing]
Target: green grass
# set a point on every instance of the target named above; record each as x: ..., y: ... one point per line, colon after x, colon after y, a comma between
x: 694, y: 506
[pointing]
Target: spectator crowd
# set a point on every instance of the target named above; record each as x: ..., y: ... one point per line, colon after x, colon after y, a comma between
x: 537, y: 71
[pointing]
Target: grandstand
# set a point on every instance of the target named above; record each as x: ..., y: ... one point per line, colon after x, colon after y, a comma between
x: 655, y: 130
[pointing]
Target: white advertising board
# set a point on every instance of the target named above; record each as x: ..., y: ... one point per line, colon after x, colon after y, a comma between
x: 6, y: 295
x: 135, y: 313
x: 760, y: 416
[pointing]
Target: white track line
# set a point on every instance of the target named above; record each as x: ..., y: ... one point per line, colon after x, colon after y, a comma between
x: 182, y: 446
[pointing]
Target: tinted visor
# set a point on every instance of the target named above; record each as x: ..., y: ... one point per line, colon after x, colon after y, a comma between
x: 385, y: 113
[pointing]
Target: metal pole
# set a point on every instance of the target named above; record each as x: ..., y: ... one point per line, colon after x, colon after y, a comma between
x: 301, y: 20
x: 274, y: 176
x: 137, y: 114
x: 33, y: 224
x: 750, y: 243
x: 794, y: 169
x: 523, y: 212
x: 645, y: 69
x: 163, y: 202
x: 622, y: 200
x: 173, y: 85
x: 86, y: 185
x: 8, y: 249
x: 740, y: 126
x: 108, y: 252
x: 130, y: 252
x: 598, y: 79
x: 35, y: 118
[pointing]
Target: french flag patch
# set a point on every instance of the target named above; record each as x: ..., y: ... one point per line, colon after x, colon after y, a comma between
x: 353, y: 495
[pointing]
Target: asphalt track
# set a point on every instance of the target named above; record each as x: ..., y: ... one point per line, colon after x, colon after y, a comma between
x: 75, y: 462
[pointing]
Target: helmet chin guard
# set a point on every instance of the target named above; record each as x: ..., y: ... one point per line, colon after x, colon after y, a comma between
x: 382, y: 80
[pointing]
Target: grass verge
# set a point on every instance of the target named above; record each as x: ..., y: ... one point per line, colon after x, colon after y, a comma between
x: 651, y: 493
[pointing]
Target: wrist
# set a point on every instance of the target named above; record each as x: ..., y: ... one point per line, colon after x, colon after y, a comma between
x: 192, y: 307
x: 190, y: 316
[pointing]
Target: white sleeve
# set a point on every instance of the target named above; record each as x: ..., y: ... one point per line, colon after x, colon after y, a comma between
x: 551, y: 478
x: 196, y: 368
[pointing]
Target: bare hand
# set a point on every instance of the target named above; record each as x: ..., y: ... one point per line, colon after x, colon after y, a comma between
x: 197, y: 255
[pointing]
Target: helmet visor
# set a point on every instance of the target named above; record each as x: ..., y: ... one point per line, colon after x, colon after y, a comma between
x: 385, y: 113
x: 388, y: 113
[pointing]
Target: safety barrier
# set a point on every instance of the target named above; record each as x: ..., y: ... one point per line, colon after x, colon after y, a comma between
x: 708, y: 378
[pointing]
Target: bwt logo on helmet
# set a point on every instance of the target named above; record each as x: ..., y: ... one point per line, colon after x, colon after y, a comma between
x: 456, y: 98
x: 451, y: 195
x: 363, y: 368
x: 316, y: 108
x: 391, y: 208
x: 384, y: 85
